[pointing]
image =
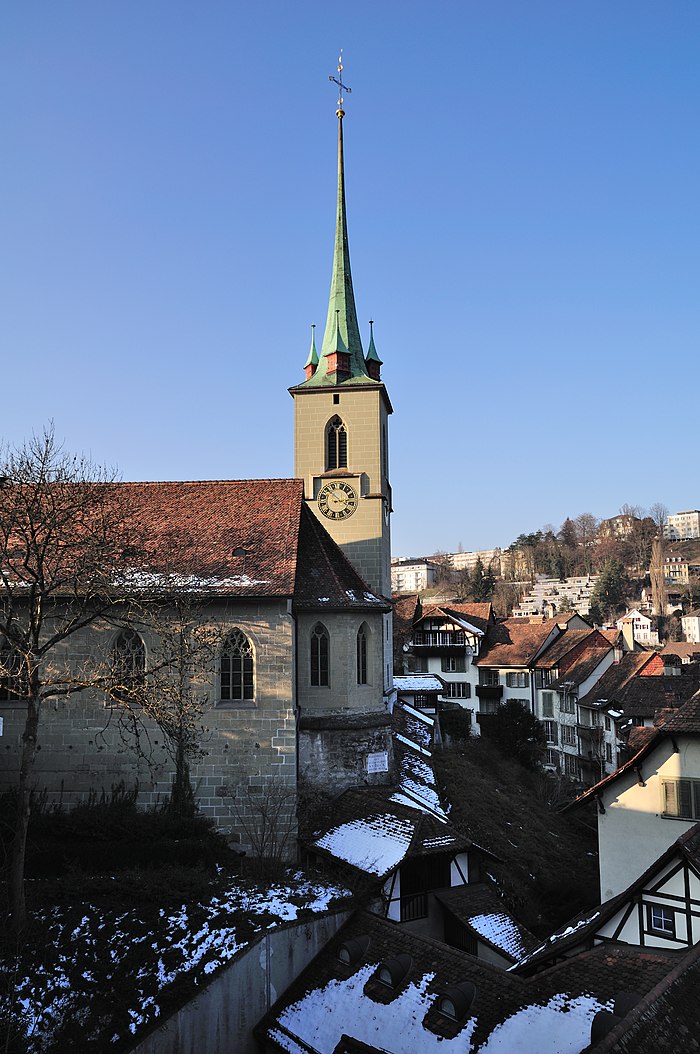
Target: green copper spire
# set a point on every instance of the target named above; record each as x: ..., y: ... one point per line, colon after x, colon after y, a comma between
x: 313, y: 354
x: 342, y: 314
x: 372, y: 351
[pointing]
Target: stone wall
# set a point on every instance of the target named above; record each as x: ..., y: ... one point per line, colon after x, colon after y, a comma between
x: 85, y: 744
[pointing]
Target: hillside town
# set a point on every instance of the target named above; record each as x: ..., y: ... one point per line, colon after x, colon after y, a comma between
x: 245, y: 659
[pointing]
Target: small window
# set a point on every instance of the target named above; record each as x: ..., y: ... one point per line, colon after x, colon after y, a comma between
x: 128, y: 666
x: 661, y: 920
x: 237, y: 669
x: 336, y: 444
x: 489, y: 678
x: 551, y: 731
x: 320, y: 646
x: 547, y: 704
x: 12, y: 681
x: 362, y: 654
x: 518, y: 679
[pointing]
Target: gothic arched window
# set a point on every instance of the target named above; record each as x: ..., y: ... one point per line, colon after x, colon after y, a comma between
x: 320, y: 642
x: 236, y: 668
x: 336, y: 444
x: 128, y: 666
x: 362, y: 637
x: 12, y: 681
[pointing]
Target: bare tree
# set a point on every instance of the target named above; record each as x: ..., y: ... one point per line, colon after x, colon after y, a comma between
x: 173, y: 690
x: 586, y: 530
x: 63, y: 529
x: 659, y: 514
x: 659, y: 593
x: 267, y: 815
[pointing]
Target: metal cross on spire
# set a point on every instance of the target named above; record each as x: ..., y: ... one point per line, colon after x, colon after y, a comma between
x: 339, y: 81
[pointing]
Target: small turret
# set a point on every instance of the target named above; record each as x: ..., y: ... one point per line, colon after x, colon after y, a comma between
x: 372, y: 361
x: 311, y: 363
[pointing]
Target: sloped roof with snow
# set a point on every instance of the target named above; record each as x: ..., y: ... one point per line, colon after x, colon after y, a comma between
x: 547, y: 1014
x: 481, y: 909
x: 375, y: 829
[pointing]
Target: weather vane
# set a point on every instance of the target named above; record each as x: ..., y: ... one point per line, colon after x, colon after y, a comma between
x: 339, y: 81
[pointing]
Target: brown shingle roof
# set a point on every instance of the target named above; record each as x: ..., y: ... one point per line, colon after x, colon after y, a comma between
x: 514, y: 642
x: 560, y: 647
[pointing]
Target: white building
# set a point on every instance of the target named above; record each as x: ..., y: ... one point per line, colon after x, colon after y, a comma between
x: 551, y: 596
x: 691, y: 626
x: 413, y: 576
x: 649, y: 801
x: 682, y: 526
x: 643, y: 627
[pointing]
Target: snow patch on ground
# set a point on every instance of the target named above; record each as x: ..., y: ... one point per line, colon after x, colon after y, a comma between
x: 194, y: 941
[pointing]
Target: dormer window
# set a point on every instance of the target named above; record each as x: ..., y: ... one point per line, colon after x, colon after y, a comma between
x: 353, y: 950
x: 456, y: 1001
x: 393, y: 971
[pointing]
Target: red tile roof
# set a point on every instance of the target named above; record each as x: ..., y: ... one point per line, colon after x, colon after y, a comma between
x: 195, y: 529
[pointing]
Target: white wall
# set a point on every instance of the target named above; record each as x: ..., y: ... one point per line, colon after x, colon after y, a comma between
x: 632, y: 833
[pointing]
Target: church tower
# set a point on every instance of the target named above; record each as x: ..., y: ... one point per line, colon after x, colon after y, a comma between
x: 341, y: 411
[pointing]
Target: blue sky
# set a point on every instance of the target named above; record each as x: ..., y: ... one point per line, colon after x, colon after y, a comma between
x: 523, y: 212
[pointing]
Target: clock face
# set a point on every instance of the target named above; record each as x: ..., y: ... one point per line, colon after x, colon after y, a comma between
x: 337, y: 500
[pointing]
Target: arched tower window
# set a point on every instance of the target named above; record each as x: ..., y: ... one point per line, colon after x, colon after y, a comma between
x: 12, y: 681
x: 362, y: 637
x: 336, y: 444
x: 237, y: 675
x: 320, y: 642
x: 128, y: 665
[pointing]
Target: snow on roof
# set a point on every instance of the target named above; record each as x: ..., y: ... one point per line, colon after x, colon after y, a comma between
x: 376, y: 844
x: 558, y: 936
x: 417, y: 683
x: 425, y: 718
x: 563, y: 1024
x: 417, y: 780
x: 466, y: 625
x: 499, y: 930
x: 409, y: 743
x: 321, y: 1017
x: 187, y: 945
x: 325, y: 1014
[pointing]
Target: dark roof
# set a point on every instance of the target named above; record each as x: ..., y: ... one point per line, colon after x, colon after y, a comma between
x: 666, y: 1020
x: 514, y: 642
x: 614, y: 681
x: 583, y: 667
x: 325, y: 577
x: 583, y: 927
x: 330, y: 1000
x: 478, y: 615
x: 481, y: 909
x: 645, y: 695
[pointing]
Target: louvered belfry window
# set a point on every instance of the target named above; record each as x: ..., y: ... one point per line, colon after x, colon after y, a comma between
x: 337, y: 445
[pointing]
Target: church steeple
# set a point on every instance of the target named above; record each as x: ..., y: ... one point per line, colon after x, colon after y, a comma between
x: 342, y: 357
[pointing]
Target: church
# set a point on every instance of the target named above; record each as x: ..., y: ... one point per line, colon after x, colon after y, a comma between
x: 294, y: 573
